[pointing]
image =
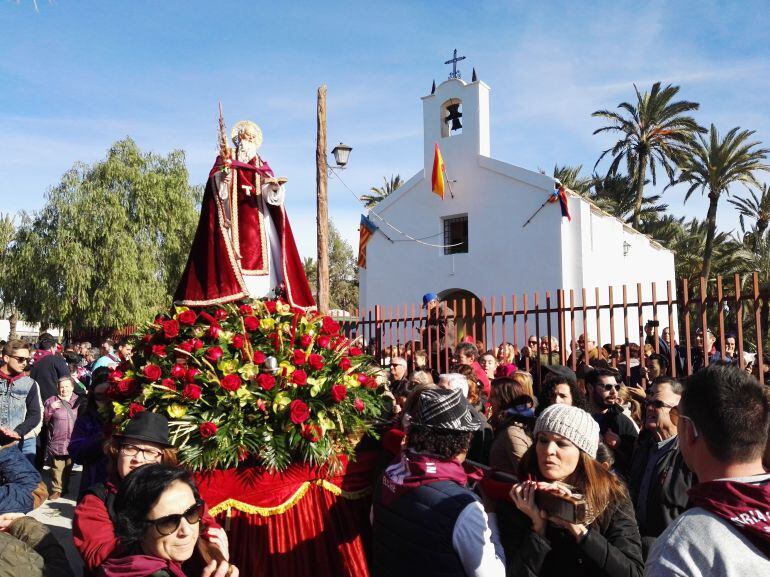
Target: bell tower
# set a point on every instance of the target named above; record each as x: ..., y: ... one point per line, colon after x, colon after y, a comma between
x: 456, y: 116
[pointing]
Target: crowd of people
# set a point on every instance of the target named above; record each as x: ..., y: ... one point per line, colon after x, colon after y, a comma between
x: 671, y: 474
x: 138, y: 512
x: 501, y: 462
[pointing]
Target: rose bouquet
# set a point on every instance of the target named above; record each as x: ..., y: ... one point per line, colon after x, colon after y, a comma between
x: 255, y: 380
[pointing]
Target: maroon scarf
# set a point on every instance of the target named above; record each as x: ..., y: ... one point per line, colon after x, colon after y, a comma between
x: 745, y: 506
x: 415, y: 470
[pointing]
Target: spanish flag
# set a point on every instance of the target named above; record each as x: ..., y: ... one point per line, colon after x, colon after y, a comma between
x: 439, y: 172
x: 367, y: 230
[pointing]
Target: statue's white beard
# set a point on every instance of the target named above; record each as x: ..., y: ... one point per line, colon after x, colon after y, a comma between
x: 246, y: 151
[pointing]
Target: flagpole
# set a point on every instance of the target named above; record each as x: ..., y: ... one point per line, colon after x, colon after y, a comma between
x: 546, y: 201
x: 448, y: 182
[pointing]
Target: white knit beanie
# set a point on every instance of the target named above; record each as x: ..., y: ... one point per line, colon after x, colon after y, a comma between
x: 572, y: 423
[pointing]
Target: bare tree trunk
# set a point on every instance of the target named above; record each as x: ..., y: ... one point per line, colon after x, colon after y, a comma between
x: 13, y: 320
x: 641, y: 174
x: 322, y: 205
x: 711, y: 222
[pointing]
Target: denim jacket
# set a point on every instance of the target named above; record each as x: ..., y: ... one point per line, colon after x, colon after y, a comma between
x: 20, y: 405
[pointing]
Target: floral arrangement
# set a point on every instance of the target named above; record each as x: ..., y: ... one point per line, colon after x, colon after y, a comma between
x: 255, y: 380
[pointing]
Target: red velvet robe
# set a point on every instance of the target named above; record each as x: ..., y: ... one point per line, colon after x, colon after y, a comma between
x: 215, y: 267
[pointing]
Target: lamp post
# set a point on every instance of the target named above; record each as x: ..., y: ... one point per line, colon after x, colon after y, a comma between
x: 341, y: 154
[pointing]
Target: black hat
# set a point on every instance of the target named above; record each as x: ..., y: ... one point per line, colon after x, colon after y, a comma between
x: 446, y: 409
x: 147, y: 426
x: 562, y: 372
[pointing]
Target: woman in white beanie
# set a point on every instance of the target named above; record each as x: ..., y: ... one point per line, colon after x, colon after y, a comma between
x: 564, y: 453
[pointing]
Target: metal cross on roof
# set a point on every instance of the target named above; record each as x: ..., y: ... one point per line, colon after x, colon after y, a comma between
x: 455, y: 73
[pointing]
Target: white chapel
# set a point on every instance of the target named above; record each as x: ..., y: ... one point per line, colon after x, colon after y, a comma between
x: 492, y: 254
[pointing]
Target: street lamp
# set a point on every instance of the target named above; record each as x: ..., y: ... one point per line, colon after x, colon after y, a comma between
x: 341, y: 154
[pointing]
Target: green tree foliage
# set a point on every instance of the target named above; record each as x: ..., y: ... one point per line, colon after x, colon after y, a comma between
x: 757, y: 210
x: 616, y: 195
x: 656, y: 131
x: 571, y: 178
x: 379, y: 193
x: 713, y: 166
x: 110, y: 244
x: 343, y: 272
x: 7, y: 308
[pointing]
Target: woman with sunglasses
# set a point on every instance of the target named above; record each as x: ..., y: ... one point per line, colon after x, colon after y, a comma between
x: 563, y: 461
x: 158, y: 517
x: 144, y: 441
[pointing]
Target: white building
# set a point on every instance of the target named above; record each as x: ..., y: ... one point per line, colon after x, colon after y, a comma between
x: 489, y: 203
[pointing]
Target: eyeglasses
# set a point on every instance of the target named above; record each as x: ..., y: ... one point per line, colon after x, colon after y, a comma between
x: 658, y: 404
x: 22, y: 360
x: 608, y: 387
x: 147, y: 453
x: 532, y: 342
x: 170, y: 523
x: 675, y: 415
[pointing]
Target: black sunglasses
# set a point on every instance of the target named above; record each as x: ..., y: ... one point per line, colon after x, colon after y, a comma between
x: 658, y: 404
x: 170, y: 523
x: 20, y: 359
x: 609, y: 387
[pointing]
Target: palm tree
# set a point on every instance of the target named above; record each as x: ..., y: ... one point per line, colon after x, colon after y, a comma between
x: 714, y: 165
x: 380, y: 193
x: 7, y: 232
x: 616, y: 195
x: 654, y: 132
x: 756, y: 208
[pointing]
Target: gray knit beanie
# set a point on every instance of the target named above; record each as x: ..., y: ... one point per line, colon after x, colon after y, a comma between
x: 572, y: 423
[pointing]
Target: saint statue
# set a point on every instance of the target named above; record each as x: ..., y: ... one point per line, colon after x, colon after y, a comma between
x: 243, y: 245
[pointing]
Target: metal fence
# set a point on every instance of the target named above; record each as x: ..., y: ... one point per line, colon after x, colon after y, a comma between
x: 726, y: 308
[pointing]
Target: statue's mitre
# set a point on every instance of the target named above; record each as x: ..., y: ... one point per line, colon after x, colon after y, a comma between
x: 246, y: 126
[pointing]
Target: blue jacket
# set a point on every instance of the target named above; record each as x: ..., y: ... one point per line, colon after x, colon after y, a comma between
x: 18, y: 478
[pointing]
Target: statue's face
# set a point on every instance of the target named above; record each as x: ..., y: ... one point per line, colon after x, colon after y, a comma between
x: 248, y: 134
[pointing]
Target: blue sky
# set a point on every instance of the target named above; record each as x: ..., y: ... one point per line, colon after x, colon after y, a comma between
x: 79, y: 75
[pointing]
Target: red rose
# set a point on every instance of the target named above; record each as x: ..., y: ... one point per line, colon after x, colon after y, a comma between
x: 362, y: 378
x: 237, y: 342
x: 187, y: 317
x: 220, y: 314
x: 192, y: 372
x: 196, y: 344
x: 170, y: 328
x: 311, y: 432
x: 147, y: 338
x: 339, y: 393
x: 178, y: 371
x: 208, y: 318
x: 345, y: 364
x: 251, y: 323
x: 305, y: 341
x: 259, y: 357
x: 159, y: 351
x: 231, y: 382
x: 355, y: 352
x: 115, y: 376
x: 191, y: 392
x: 214, y: 332
x: 245, y: 310
x: 214, y: 354
x: 329, y: 326
x: 371, y: 383
x: 152, y: 372
x: 359, y: 405
x: 266, y: 381
x: 186, y: 346
x: 134, y: 409
x: 316, y: 362
x: 207, y: 429
x: 323, y: 341
x: 169, y: 384
x: 299, y: 377
x: 270, y: 306
x: 126, y: 386
x: 299, y: 357
x: 300, y: 412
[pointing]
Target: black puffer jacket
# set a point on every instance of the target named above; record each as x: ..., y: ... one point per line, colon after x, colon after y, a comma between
x: 614, y: 550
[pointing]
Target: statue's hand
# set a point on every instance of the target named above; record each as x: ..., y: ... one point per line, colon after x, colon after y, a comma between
x: 274, y: 193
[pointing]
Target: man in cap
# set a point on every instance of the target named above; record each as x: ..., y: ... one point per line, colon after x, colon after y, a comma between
x: 439, y: 335
x: 425, y: 520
